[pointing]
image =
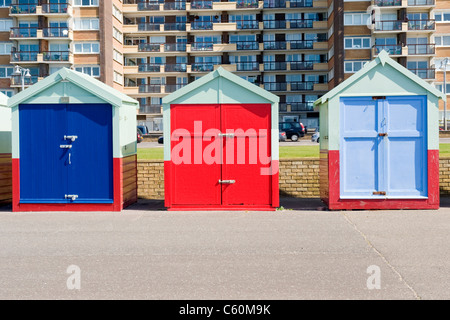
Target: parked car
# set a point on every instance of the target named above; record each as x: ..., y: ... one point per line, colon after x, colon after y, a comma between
x: 294, y: 130
x: 315, y: 137
x: 144, y: 129
x: 161, y: 140
x: 282, y: 136
x: 139, y: 136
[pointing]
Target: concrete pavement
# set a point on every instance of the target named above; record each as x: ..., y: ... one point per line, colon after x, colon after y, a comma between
x: 303, y: 252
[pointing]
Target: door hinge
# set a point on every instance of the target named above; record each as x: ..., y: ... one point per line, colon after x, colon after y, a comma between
x: 73, y: 138
x: 379, y: 98
x: 65, y: 146
x: 379, y: 193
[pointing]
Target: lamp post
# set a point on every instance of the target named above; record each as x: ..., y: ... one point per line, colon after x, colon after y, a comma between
x: 23, y: 73
x: 444, y: 67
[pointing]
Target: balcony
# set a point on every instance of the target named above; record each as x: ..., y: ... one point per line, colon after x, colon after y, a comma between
x: 56, y: 56
x: 28, y: 32
x: 301, y: 3
x: 202, y: 46
x: 175, y: 26
x: 275, y: 45
x: 302, y: 65
x: 416, y: 3
x: 177, y: 5
x: 156, y: 67
x: 247, y: 4
x: 275, y: 86
x: 201, y: 4
x: 388, y: 3
x: 24, y: 56
x: 23, y: 8
x: 149, y: 67
x: 302, y: 85
x: 247, y: 66
x: 392, y: 49
x: 202, y: 25
x: 275, y: 66
x: 426, y: 74
x: 275, y: 24
x: 169, y: 88
x: 301, y: 24
x: 55, y: 32
x: 271, y: 4
x: 150, y: 109
x: 147, y: 5
x: 388, y: 25
x: 55, y: 8
x: 150, y: 88
x: 149, y: 27
x: 202, y: 67
x: 149, y: 47
x: 175, y: 47
x: 421, y: 49
x: 247, y: 24
x: 246, y: 45
x: 302, y: 44
x: 422, y: 25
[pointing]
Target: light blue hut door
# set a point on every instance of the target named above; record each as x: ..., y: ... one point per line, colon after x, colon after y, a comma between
x: 383, y: 151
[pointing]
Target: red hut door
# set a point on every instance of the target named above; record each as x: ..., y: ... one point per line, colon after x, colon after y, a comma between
x: 229, y: 149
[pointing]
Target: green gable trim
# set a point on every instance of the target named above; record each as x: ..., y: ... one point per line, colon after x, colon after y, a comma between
x: 220, y: 73
x: 383, y: 59
x: 88, y: 83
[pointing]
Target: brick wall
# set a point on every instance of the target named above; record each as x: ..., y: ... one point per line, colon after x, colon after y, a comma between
x: 298, y: 178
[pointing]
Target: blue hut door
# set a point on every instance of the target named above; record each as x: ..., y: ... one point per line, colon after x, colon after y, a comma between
x: 66, y: 153
x: 383, y: 149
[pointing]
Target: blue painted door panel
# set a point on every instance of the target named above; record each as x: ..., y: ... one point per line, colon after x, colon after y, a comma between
x: 406, y: 145
x: 48, y: 172
x: 359, y: 155
x: 383, y: 147
x: 43, y: 171
x: 91, y: 166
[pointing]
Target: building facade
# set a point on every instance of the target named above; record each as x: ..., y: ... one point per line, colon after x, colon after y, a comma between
x: 296, y: 49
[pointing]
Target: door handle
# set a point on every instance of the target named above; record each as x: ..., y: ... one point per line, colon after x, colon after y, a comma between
x: 73, y: 138
x: 66, y: 146
x: 72, y: 197
x: 383, y: 134
x: 227, y: 181
x: 226, y: 135
x: 379, y: 193
x: 70, y: 154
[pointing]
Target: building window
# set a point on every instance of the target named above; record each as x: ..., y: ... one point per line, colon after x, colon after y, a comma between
x: 442, y: 41
x: 5, y: 3
x: 91, y: 70
x: 117, y: 35
x: 118, y: 77
x: 356, y: 19
x: 117, y: 13
x: 442, y: 16
x: 85, y: 3
x: 6, y: 24
x: 86, y: 24
x: 8, y: 93
x: 354, y: 66
x: 87, y: 47
x: 6, y: 71
x: 5, y: 48
x: 357, y: 42
x: 440, y: 87
x: 117, y: 56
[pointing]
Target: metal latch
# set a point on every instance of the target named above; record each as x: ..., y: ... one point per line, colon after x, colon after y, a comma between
x: 383, y: 134
x: 379, y: 193
x: 73, y: 138
x: 226, y: 135
x: 66, y: 146
x: 72, y: 197
x: 227, y: 181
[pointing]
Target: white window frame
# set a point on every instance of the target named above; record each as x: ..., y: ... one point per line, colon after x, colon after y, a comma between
x: 92, y: 66
x: 83, y: 43
x: 78, y: 24
x: 352, y: 62
x: 441, y: 12
x: 357, y: 38
x: 441, y: 36
x: 364, y: 16
x: 79, y: 3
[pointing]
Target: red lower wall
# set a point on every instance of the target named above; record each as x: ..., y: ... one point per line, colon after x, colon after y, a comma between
x: 335, y: 203
x: 121, y: 200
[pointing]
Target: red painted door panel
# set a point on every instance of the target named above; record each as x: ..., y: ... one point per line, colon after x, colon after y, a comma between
x: 246, y: 154
x: 194, y: 182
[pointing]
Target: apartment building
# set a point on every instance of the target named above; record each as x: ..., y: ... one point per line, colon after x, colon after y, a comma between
x: 414, y: 32
x: 276, y: 44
